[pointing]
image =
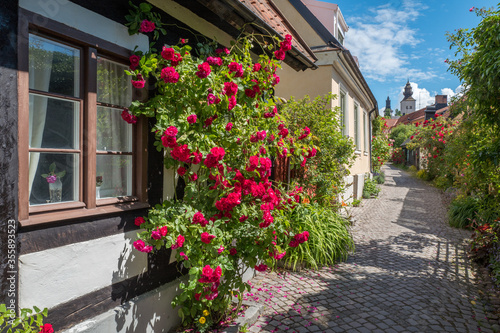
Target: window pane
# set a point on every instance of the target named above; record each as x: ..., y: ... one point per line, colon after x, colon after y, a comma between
x: 115, y: 175
x: 54, y: 67
x: 113, y: 85
x: 113, y: 134
x: 64, y: 187
x: 54, y: 123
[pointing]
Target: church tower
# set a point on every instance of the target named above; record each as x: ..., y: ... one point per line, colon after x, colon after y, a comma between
x: 387, y: 111
x: 408, y: 102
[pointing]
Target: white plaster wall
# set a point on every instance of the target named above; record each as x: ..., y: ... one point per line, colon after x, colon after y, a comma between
x: 151, y: 312
x: 347, y: 196
x: 87, y: 21
x: 48, y: 278
x: 360, y: 183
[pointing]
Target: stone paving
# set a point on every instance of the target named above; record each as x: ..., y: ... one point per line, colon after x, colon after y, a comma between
x: 409, y: 274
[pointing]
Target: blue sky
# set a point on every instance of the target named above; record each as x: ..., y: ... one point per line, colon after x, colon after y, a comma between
x: 400, y: 39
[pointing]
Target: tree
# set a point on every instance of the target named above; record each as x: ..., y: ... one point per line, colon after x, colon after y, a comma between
x: 477, y: 65
x: 400, y: 133
x: 397, y: 113
x: 387, y: 113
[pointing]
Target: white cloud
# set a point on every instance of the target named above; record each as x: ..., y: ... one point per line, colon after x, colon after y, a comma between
x: 378, y: 41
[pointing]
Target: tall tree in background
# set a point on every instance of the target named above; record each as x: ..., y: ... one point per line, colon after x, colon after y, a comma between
x: 477, y: 65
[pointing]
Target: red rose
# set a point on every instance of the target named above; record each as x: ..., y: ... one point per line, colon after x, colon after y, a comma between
x: 206, y: 237
x: 169, y: 75
x: 230, y: 88
x: 193, y: 177
x: 192, y: 118
x: 181, y: 171
x: 203, y: 70
x: 233, y: 251
x: 257, y: 67
x: 229, y: 126
x: 134, y: 61
x: 168, y: 53
x: 46, y: 328
x: 261, y: 267
x: 139, y: 220
x: 279, y: 54
x: 147, y: 26
x: 129, y: 118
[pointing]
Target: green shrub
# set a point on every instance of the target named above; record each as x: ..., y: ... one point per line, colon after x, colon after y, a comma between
x: 443, y: 182
x: 380, y: 178
x: 356, y: 202
x: 463, y: 211
x: 424, y: 174
x: 412, y: 168
x: 370, y: 189
x: 329, y: 237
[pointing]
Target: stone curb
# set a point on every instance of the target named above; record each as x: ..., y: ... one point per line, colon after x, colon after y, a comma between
x: 252, y: 313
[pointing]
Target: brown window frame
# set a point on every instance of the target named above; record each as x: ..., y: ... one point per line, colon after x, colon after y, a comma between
x: 87, y: 205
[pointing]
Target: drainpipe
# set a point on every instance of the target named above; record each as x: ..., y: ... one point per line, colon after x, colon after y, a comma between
x: 370, y: 132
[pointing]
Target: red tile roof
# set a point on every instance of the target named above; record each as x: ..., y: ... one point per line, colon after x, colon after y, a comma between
x: 391, y: 122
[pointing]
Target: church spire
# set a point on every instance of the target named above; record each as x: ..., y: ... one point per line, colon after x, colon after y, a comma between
x: 388, y: 103
x: 408, y: 90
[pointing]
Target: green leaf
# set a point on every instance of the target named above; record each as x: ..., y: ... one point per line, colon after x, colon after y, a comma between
x: 145, y: 7
x: 52, y: 167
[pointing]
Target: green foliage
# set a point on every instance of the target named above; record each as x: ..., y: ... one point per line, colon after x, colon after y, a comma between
x: 329, y: 237
x: 477, y: 65
x: 423, y: 174
x: 381, y: 146
x: 412, y: 169
x: 356, y: 202
x: 463, y: 211
x: 400, y: 133
x: 370, y: 188
x: 379, y: 178
x: 387, y: 113
x: 335, y: 151
x: 29, y: 321
x: 140, y: 13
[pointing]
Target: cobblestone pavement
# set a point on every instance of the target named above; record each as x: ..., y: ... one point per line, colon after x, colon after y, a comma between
x: 409, y: 274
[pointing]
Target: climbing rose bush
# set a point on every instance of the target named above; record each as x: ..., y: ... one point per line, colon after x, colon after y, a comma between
x: 219, y: 128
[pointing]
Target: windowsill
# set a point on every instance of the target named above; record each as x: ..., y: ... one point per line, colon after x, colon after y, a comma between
x: 357, y: 152
x: 63, y: 215
x: 366, y: 153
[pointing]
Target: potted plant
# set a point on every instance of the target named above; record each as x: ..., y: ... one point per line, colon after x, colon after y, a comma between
x: 55, y: 184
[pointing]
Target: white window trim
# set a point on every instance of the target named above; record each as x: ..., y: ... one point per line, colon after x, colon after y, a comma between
x: 343, y: 91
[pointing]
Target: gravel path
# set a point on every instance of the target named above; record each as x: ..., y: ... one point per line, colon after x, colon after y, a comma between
x: 409, y: 274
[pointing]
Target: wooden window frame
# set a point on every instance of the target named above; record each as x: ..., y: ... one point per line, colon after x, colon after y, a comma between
x: 87, y: 205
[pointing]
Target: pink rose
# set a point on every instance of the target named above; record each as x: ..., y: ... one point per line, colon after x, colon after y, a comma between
x: 229, y: 126
x: 192, y: 118
x: 193, y: 177
x: 51, y: 179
